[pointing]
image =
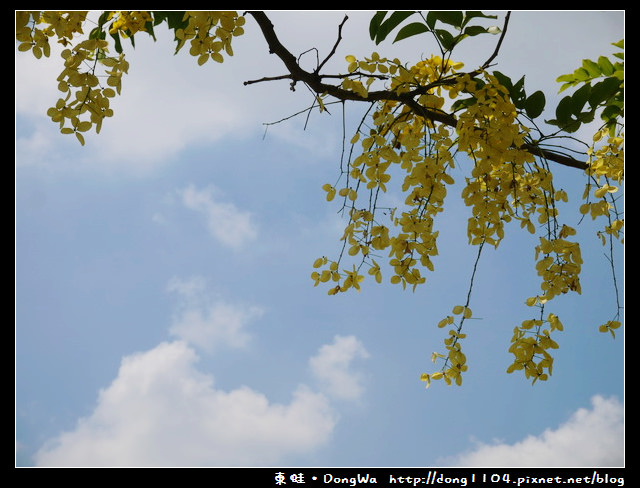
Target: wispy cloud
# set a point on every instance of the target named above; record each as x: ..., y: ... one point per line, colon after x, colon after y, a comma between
x: 590, y: 437
x: 332, y: 367
x: 226, y: 223
x: 209, y: 322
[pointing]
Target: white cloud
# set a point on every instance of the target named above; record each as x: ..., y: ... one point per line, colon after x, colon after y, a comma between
x: 590, y: 438
x: 226, y: 223
x: 161, y: 411
x: 206, y: 322
x: 331, y: 366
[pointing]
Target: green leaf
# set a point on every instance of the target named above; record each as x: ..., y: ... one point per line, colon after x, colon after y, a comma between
x: 564, y: 110
x: 605, y: 66
x: 446, y: 39
x: 569, y: 80
x: 586, y: 117
x: 463, y: 103
x: 603, y: 91
x: 516, y: 91
x: 174, y: 19
x: 611, y: 113
x: 581, y: 74
x: 98, y: 31
x: 148, y: 27
x: 566, y: 78
x: 569, y: 114
x: 534, y: 104
x: 474, y: 30
x: 391, y: 23
x: 375, y: 22
x: 116, y: 39
x: 412, y: 29
x: 451, y: 17
x: 579, y: 98
x: 619, y: 73
x: 504, y: 80
x: 592, y: 68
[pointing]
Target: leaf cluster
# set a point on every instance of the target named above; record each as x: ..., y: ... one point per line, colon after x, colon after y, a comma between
x: 382, y: 25
x: 601, y: 86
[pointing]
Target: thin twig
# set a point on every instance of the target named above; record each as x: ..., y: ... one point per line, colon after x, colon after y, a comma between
x: 335, y: 46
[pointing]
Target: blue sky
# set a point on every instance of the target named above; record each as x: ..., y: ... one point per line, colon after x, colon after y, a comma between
x: 165, y: 314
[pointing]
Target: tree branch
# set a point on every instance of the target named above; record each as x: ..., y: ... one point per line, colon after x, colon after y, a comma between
x: 487, y: 63
x: 335, y: 46
x: 314, y: 81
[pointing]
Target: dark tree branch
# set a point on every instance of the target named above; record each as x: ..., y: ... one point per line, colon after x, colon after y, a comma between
x: 487, y: 63
x: 554, y: 156
x: 268, y: 78
x: 314, y: 80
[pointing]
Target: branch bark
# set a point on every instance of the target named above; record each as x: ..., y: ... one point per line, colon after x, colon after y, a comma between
x: 314, y: 80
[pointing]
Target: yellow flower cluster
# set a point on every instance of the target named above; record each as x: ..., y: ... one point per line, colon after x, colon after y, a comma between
x: 501, y: 186
x: 559, y: 268
x: 606, y: 166
x: 607, y: 161
x: 558, y: 263
x: 530, y: 346
x: 402, y: 143
x: 455, y: 361
x: 427, y: 73
x: 352, y: 277
x: 86, y: 102
x: 372, y: 64
x: 91, y: 78
x: 210, y: 34
x: 506, y: 183
x: 127, y: 23
x: 34, y: 28
x: 610, y: 327
x: 366, y: 68
x: 400, y: 140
